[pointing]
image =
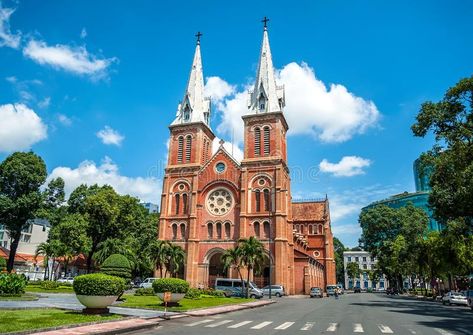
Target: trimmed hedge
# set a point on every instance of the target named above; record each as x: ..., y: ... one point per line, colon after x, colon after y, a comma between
x: 117, y: 265
x: 144, y: 291
x: 12, y: 284
x: 3, y: 264
x: 193, y: 293
x: 49, y: 285
x: 173, y: 285
x: 214, y: 293
x: 99, y: 284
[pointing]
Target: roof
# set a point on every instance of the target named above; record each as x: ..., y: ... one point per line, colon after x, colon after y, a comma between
x: 308, y: 211
x: 20, y: 257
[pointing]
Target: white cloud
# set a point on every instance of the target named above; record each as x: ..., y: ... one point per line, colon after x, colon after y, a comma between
x: 20, y: 128
x: 232, y: 149
x: 44, y: 103
x: 11, y: 79
x: 347, y: 167
x: 7, y: 38
x: 76, y: 60
x: 107, y: 173
x: 110, y: 136
x: 330, y: 114
x: 217, y: 88
x: 66, y: 121
x: 83, y: 33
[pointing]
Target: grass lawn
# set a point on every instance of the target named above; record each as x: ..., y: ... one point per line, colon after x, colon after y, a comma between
x: 23, y: 297
x: 38, y: 289
x: 153, y: 302
x: 20, y: 320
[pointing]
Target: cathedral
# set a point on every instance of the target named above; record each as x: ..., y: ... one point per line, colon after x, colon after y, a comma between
x: 211, y: 200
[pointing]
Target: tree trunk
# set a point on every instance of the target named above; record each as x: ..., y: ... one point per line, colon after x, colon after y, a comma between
x: 248, y: 283
x: 13, y: 248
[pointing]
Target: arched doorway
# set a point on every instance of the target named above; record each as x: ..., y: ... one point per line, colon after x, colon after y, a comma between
x: 261, y: 275
x: 216, y: 268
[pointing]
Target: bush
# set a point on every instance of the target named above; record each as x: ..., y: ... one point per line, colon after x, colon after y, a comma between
x: 49, y: 285
x: 3, y: 264
x: 12, y: 284
x: 117, y: 265
x: 35, y: 282
x: 214, y: 293
x: 98, y: 284
x: 173, y: 285
x: 193, y: 293
x: 144, y: 291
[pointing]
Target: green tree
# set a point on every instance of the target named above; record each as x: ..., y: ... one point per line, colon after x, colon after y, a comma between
x: 157, y: 252
x: 175, y: 257
x: 339, y: 248
x: 450, y: 159
x: 353, y: 270
x: 252, y: 256
x: 231, y: 259
x: 21, y: 175
x: 53, y: 206
x: 50, y: 250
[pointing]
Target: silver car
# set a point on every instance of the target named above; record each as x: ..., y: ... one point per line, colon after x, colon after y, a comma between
x: 276, y: 290
x: 454, y: 298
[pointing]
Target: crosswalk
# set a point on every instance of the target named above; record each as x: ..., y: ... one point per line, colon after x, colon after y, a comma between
x: 328, y: 327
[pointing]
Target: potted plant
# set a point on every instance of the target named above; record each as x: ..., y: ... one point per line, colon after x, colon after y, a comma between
x: 97, y: 291
x: 177, y: 287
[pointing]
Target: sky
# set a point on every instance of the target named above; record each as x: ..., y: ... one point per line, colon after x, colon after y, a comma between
x: 91, y: 86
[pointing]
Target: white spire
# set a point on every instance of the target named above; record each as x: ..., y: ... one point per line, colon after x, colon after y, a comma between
x: 194, y: 106
x: 266, y: 96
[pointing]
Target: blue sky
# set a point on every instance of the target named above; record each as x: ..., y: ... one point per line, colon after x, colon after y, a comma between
x: 92, y: 87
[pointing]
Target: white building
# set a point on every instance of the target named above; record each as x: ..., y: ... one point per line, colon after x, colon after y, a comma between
x: 366, y: 263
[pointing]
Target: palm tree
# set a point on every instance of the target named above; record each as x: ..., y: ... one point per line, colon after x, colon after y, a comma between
x: 175, y: 256
x: 231, y: 259
x: 251, y: 255
x: 115, y: 246
x: 157, y: 252
x: 48, y: 250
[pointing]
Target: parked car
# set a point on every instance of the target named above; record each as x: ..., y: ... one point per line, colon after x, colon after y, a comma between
x: 234, y: 287
x: 454, y: 298
x: 147, y: 283
x: 316, y: 292
x: 357, y: 290
x: 68, y: 280
x: 331, y: 289
x: 276, y: 290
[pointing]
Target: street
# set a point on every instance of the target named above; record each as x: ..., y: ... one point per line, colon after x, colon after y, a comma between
x: 351, y: 313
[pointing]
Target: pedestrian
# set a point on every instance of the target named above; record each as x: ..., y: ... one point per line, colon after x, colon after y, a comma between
x: 336, y: 293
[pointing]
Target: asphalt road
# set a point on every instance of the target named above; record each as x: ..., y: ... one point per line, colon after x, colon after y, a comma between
x: 353, y: 313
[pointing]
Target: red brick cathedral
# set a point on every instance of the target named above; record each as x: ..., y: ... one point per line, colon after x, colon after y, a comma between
x: 211, y: 200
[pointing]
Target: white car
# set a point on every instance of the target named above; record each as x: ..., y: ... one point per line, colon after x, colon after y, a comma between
x: 68, y: 280
x: 454, y: 298
x: 147, y: 283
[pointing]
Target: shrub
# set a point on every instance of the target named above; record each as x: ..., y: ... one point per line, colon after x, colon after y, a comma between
x: 173, y: 285
x: 49, y: 285
x: 144, y: 291
x: 3, y: 264
x: 214, y: 293
x: 117, y: 265
x: 98, y: 284
x: 193, y: 293
x: 35, y: 282
x: 11, y: 284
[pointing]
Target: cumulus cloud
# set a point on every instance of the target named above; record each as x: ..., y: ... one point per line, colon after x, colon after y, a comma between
x: 76, y: 60
x: 217, y: 88
x: 7, y: 38
x: 348, y: 166
x: 107, y: 173
x: 20, y: 127
x: 331, y: 114
x: 83, y: 33
x: 232, y: 149
x: 110, y: 136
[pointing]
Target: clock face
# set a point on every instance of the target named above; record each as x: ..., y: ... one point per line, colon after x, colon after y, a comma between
x: 220, y: 167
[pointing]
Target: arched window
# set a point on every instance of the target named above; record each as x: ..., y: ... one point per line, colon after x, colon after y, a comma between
x: 258, y: 200
x: 188, y: 148
x: 320, y: 229
x: 180, y: 148
x: 310, y: 230
x: 262, y: 103
x: 302, y: 229
x: 266, y: 135
x: 266, y: 229
x: 174, y: 231
x: 178, y: 198
x: 227, y: 230
x: 187, y: 114
x: 183, y: 231
x: 266, y: 200
x: 210, y: 230
x: 257, y: 141
x: 184, y: 203
x: 256, y: 228
x: 219, y: 231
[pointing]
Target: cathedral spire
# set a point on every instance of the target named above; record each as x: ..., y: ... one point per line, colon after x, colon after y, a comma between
x: 266, y: 96
x: 194, y: 107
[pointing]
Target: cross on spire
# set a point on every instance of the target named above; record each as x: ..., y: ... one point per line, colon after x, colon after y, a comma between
x: 265, y: 22
x: 198, y: 35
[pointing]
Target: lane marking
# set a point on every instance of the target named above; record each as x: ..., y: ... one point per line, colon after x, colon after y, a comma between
x: 285, y: 325
x: 443, y: 332
x: 412, y: 331
x: 332, y: 327
x: 220, y: 323
x: 358, y: 328
x: 308, y: 326
x: 199, y: 322
x: 238, y: 325
x: 262, y: 325
x: 385, y: 329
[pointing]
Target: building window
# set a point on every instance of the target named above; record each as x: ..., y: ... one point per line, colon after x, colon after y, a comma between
x: 266, y: 200
x: 349, y: 258
x: 188, y: 148
x: 210, y: 230
x: 302, y: 229
x: 187, y: 114
x: 364, y: 259
x: 227, y: 230
x: 357, y: 259
x: 174, y: 231
x: 257, y: 141
x: 256, y: 227
x: 184, y: 203
x: 266, y: 229
x: 262, y: 102
x: 178, y: 198
x: 219, y: 231
x: 258, y: 200
x: 266, y: 140
x: 365, y: 267
x: 183, y: 231
x: 320, y: 229
x: 180, y: 148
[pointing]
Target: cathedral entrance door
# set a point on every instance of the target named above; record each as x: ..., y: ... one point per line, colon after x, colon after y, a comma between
x: 216, y: 269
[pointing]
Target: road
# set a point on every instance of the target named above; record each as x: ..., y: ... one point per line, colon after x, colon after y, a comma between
x: 352, y: 313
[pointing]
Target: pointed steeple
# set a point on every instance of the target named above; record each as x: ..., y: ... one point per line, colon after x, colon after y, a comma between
x: 266, y: 96
x: 194, y: 107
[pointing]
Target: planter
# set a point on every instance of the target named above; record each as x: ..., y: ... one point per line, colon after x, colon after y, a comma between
x: 175, y: 297
x: 97, y: 301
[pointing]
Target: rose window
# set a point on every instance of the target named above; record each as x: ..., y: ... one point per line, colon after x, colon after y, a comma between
x: 219, y: 202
